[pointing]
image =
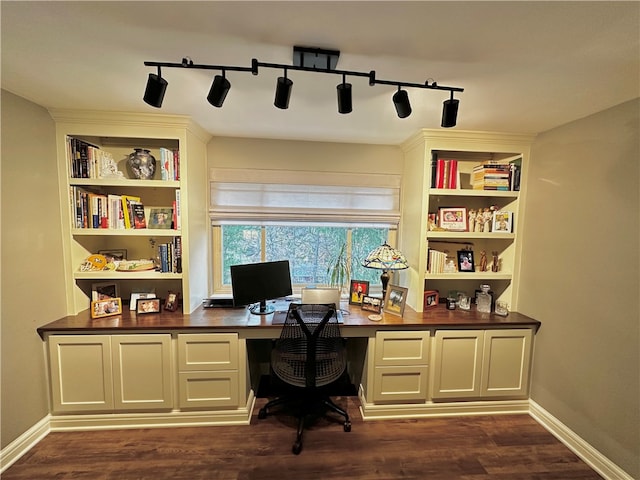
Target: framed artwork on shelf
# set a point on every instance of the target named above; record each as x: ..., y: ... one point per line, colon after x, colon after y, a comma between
x: 160, y: 218
x: 114, y: 255
x: 395, y: 300
x: 171, y: 304
x: 502, y: 222
x: 371, y: 304
x: 148, y: 305
x: 465, y: 261
x: 106, y: 307
x: 453, y: 219
x: 431, y: 298
x: 104, y: 290
x: 135, y: 296
x: 358, y: 289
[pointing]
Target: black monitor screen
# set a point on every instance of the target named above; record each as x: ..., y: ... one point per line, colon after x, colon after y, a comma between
x: 259, y: 282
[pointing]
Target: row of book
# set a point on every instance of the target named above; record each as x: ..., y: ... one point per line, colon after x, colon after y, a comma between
x: 170, y: 256
x: 119, y: 212
x: 436, y: 261
x: 86, y: 160
x: 169, y: 164
x: 497, y: 176
x: 445, y: 173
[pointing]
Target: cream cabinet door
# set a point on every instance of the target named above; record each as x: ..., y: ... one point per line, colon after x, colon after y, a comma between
x: 142, y: 372
x: 457, y: 364
x: 81, y: 376
x: 506, y: 363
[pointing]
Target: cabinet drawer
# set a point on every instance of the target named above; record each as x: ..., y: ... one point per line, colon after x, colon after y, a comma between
x: 402, y: 348
x: 208, y: 389
x: 207, y: 351
x: 400, y: 384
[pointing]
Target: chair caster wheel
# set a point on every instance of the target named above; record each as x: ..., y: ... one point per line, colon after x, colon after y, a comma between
x: 262, y: 413
x: 347, y: 426
x: 297, y: 448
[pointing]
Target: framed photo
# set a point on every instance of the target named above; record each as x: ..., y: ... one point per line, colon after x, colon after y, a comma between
x: 358, y: 289
x: 371, y: 304
x: 395, y: 300
x: 148, y: 305
x: 465, y: 261
x: 431, y: 298
x: 171, y: 304
x: 115, y: 255
x: 135, y: 296
x: 453, y: 219
x: 502, y: 222
x: 104, y: 290
x: 160, y: 218
x: 106, y: 307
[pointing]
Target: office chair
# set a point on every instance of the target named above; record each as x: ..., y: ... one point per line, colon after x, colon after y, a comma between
x: 309, y: 355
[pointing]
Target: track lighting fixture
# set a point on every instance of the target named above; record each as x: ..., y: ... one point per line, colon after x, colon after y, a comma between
x: 283, y: 91
x: 344, y: 96
x: 449, y: 112
x: 401, y: 102
x: 156, y: 87
x: 219, y: 89
x: 307, y: 59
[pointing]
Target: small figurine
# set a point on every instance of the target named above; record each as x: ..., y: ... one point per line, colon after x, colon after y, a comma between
x: 472, y: 220
x: 495, y: 266
x: 487, y: 215
x: 483, y: 261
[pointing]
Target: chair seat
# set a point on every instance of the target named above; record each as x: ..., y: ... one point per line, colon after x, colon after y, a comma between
x: 290, y: 368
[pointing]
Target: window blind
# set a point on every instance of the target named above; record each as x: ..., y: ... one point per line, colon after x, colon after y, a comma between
x: 272, y: 196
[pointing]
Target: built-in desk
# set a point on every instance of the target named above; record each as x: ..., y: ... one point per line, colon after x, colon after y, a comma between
x: 202, y: 368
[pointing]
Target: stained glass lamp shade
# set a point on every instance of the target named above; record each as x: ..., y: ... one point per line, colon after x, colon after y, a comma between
x: 385, y: 258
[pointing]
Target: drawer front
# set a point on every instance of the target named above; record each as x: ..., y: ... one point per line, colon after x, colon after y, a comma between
x: 207, y: 352
x: 402, y: 348
x: 400, y: 384
x: 208, y: 389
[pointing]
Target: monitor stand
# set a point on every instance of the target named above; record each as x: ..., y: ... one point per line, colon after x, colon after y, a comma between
x: 262, y: 308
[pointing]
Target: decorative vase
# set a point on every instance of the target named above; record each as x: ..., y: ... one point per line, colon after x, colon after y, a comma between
x: 142, y: 164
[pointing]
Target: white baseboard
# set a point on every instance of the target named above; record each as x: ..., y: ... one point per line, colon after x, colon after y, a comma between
x: 588, y: 454
x: 21, y: 445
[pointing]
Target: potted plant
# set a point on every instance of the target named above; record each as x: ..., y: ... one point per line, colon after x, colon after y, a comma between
x: 339, y: 271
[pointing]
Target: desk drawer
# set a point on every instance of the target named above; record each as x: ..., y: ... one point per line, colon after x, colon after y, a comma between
x: 405, y: 384
x: 207, y: 351
x: 402, y: 348
x: 208, y: 389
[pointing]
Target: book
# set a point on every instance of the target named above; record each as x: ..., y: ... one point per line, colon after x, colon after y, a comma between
x: 139, y: 219
x: 127, y: 209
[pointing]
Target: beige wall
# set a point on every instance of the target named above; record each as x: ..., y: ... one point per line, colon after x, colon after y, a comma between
x: 580, y: 277
x: 32, y: 276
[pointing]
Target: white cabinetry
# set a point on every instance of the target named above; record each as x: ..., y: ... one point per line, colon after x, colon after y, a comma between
x: 97, y: 373
x: 419, y: 199
x: 401, y: 368
x: 481, y: 364
x: 119, y: 134
x: 208, y: 365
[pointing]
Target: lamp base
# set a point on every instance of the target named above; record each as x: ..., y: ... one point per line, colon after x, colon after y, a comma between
x: 384, y: 278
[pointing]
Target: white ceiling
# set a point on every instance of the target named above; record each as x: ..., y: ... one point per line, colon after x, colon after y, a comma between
x: 525, y: 66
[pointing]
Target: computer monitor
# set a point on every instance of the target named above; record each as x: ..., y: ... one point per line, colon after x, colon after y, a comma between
x: 259, y: 282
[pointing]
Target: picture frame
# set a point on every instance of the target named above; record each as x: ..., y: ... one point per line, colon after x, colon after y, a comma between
x: 466, y: 262
x: 395, y: 299
x: 160, y: 218
x: 171, y: 303
x: 431, y: 298
x: 114, y: 255
x: 104, y: 290
x: 135, y: 296
x: 502, y: 222
x: 453, y: 219
x: 371, y: 304
x: 148, y: 305
x: 106, y: 307
x: 357, y: 290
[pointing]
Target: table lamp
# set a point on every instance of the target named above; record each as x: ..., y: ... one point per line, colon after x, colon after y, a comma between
x: 385, y: 258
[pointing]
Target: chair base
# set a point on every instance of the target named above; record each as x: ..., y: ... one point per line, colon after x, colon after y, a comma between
x: 305, y: 408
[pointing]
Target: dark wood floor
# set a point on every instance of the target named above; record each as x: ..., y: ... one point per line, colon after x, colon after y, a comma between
x: 472, y: 448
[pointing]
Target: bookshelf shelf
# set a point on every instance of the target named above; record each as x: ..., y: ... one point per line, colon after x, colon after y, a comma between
x: 115, y: 275
x: 488, y: 276
x: 114, y: 182
x: 470, y: 235
x: 448, y: 192
x: 129, y: 232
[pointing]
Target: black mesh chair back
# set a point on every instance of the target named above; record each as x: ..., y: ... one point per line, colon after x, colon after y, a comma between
x: 309, y: 354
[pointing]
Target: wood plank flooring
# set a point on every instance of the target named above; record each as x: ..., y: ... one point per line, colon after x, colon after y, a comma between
x: 471, y: 448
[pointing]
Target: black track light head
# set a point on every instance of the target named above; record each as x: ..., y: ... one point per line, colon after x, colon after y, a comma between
x: 450, y: 112
x: 345, y: 104
x: 155, y: 90
x: 219, y: 89
x: 283, y: 92
x: 401, y: 102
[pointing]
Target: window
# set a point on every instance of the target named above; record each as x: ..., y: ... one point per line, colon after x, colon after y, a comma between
x: 310, y: 249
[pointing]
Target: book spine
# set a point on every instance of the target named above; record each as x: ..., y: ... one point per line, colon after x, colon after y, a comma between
x: 178, y: 253
x: 177, y: 209
x: 176, y: 164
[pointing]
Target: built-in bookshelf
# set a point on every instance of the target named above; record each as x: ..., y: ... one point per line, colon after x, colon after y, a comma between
x: 147, y: 229
x: 453, y: 180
